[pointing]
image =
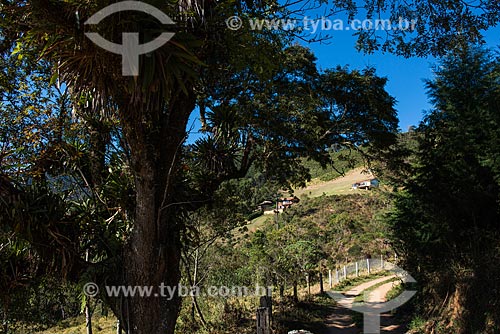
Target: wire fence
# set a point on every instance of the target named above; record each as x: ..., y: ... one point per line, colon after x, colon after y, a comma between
x: 358, y: 268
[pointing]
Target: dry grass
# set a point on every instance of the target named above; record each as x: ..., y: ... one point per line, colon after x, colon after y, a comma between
x: 100, y: 325
x: 339, y: 186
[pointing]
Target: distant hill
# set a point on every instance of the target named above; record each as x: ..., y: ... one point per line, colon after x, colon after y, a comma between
x: 345, y: 161
x: 343, y: 226
x: 341, y: 185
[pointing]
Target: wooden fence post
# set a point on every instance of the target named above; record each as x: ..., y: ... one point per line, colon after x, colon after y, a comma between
x: 368, y: 265
x: 265, y: 314
x: 263, y: 321
x: 330, y: 278
x: 357, y: 269
x: 267, y: 303
x: 345, y: 272
x: 321, y: 290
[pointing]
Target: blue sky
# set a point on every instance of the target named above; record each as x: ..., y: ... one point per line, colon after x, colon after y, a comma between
x: 406, y: 76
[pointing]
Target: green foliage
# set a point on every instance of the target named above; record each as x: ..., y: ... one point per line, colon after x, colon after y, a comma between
x: 52, y: 210
x: 332, y: 229
x: 417, y: 323
x: 87, y: 142
x: 309, y: 314
x: 439, y: 26
x: 254, y: 215
x: 262, y: 102
x: 314, y: 234
x: 448, y: 212
x: 294, y: 114
x: 31, y: 113
x: 343, y: 161
x: 40, y: 304
x: 396, y: 291
x: 349, y: 226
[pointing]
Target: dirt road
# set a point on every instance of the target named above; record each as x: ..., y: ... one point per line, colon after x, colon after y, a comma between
x: 340, y: 322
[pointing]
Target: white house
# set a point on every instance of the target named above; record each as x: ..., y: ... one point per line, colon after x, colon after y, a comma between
x: 366, y: 184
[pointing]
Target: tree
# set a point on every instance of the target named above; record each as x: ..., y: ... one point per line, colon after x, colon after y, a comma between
x: 439, y: 26
x: 153, y: 110
x: 449, y: 210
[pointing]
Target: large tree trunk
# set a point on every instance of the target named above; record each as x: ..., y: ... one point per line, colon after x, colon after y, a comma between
x: 153, y: 253
x: 152, y: 258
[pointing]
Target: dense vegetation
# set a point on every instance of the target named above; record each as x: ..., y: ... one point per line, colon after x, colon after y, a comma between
x: 98, y: 183
x: 102, y: 187
x: 342, y: 161
x: 446, y: 221
x: 314, y: 236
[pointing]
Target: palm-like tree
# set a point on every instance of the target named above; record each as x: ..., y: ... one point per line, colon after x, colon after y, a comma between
x: 153, y: 109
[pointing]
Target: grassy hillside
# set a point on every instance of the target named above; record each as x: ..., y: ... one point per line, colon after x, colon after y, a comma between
x: 341, y: 185
x: 352, y: 225
x: 343, y: 162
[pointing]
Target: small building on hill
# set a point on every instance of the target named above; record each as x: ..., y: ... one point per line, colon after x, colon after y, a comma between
x: 366, y: 184
x: 266, y: 206
x: 285, y: 203
x: 269, y: 207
